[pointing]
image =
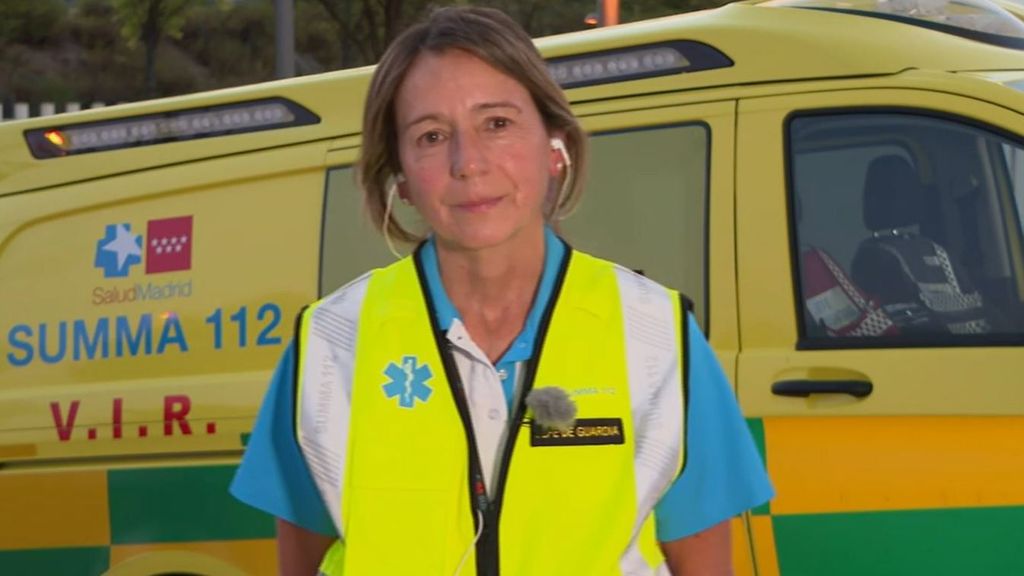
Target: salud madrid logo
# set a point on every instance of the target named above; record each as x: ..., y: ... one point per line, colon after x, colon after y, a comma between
x: 168, y: 247
x: 408, y: 381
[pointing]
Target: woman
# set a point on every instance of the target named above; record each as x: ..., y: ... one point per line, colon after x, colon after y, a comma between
x: 497, y: 402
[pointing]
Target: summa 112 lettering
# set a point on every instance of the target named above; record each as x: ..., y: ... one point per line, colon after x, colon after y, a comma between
x: 146, y: 334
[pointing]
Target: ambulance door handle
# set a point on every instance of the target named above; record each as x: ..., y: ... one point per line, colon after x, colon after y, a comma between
x: 804, y: 388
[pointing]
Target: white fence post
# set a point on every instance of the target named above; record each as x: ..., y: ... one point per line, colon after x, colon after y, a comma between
x: 22, y: 110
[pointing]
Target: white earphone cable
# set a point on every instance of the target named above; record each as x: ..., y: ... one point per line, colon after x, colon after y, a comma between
x: 465, y: 555
x: 392, y: 192
x: 566, y: 185
x: 559, y: 144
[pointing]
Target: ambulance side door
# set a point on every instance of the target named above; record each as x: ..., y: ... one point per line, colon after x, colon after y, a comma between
x: 881, y: 301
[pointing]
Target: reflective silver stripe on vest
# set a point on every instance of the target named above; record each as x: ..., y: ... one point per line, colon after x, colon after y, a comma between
x: 328, y: 357
x: 960, y: 313
x: 656, y: 399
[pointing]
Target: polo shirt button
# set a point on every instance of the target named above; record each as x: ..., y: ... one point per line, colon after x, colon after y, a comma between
x: 503, y: 374
x: 494, y: 414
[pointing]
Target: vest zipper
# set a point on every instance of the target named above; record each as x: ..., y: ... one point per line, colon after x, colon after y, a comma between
x: 487, y: 560
x: 488, y: 548
x: 477, y: 488
x: 489, y: 539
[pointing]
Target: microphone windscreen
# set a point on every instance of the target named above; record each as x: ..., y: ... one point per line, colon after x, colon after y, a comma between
x: 552, y: 407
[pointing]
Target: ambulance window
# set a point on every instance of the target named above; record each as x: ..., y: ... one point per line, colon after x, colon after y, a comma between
x: 908, y: 231
x: 645, y: 205
x: 351, y: 245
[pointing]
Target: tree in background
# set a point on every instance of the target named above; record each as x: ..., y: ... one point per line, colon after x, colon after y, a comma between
x: 366, y: 27
x: 26, y: 28
x: 87, y: 50
x: 231, y: 44
x: 148, y: 22
x: 30, y: 22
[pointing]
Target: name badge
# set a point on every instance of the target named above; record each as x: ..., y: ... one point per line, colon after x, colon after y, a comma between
x: 585, y: 432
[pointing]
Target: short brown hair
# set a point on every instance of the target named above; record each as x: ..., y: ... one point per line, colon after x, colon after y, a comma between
x: 491, y: 36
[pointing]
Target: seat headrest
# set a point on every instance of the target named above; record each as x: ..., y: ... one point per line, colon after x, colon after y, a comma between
x: 893, y: 194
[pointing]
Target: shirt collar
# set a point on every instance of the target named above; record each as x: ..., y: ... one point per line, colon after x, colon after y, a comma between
x: 522, y: 347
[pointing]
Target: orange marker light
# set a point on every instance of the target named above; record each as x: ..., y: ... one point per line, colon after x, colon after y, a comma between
x: 57, y: 138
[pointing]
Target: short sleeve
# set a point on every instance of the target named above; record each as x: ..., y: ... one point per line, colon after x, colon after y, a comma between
x: 723, y: 474
x: 273, y: 476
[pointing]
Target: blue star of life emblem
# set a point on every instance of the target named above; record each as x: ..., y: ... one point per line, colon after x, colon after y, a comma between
x: 118, y: 251
x: 408, y: 381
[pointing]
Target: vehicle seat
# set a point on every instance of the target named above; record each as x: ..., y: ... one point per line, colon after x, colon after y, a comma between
x: 833, y: 304
x: 915, y: 279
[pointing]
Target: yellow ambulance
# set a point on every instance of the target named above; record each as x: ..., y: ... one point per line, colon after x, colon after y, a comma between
x: 837, y: 184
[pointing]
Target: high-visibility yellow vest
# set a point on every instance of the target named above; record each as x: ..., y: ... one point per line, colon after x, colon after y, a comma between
x: 384, y: 427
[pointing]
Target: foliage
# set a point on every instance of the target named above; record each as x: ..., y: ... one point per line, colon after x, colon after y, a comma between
x: 108, y: 49
x: 91, y: 25
x: 30, y: 22
x: 365, y: 27
x: 236, y: 46
x: 318, y: 46
x: 141, y: 17
x: 148, y: 22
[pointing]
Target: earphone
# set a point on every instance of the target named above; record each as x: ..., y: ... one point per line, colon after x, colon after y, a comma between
x: 559, y: 145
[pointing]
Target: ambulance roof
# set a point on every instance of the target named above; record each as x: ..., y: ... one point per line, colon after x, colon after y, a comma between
x: 783, y: 40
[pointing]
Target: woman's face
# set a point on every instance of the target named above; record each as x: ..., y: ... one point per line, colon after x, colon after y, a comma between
x: 474, y: 150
